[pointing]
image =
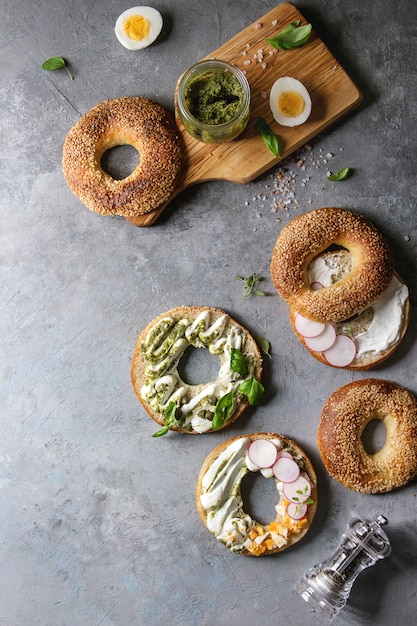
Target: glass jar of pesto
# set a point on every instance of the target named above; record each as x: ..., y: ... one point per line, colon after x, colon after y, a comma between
x: 213, y: 99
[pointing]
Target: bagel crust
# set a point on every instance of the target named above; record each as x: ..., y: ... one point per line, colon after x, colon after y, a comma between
x: 135, y: 121
x: 220, y: 505
x: 157, y: 381
x: 305, y: 237
x: 339, y: 437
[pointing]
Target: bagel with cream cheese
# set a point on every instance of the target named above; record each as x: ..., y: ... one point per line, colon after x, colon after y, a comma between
x: 314, y: 232
x: 136, y: 121
x: 343, y: 420
x: 365, y: 340
x: 195, y: 408
x: 219, y: 500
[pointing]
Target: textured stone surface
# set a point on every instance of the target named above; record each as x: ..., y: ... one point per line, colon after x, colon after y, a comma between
x: 98, y: 521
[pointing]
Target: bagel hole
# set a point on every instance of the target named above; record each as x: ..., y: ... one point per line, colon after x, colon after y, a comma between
x: 259, y: 495
x: 120, y: 161
x: 374, y: 436
x: 338, y: 261
x: 198, y: 366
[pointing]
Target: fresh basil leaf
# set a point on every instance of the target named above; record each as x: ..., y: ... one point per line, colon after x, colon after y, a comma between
x: 264, y: 345
x: 270, y: 139
x: 253, y: 389
x: 292, y: 36
x: 341, y: 174
x: 223, y: 410
x: 238, y: 363
x: 170, y: 419
x: 56, y: 63
x: 162, y: 432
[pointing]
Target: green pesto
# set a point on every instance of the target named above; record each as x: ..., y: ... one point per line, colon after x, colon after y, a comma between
x: 214, y: 98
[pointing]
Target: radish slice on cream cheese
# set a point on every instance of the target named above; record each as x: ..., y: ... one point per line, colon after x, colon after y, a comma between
x: 298, y: 490
x: 342, y: 352
x: 285, y: 453
x: 322, y: 342
x: 296, y: 511
x: 262, y: 453
x: 286, y: 470
x: 306, y: 327
x: 316, y: 285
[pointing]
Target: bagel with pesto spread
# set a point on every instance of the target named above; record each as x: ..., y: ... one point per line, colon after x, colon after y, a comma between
x: 219, y: 499
x: 195, y: 408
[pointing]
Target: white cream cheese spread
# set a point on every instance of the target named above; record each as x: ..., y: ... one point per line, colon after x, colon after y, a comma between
x: 163, y: 348
x: 378, y: 327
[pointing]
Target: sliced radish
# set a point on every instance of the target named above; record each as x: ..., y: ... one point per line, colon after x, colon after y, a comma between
x: 262, y: 453
x: 296, y: 511
x: 306, y: 327
x: 284, y: 453
x: 298, y: 491
x: 342, y: 352
x: 322, y: 342
x: 286, y: 470
x: 316, y: 285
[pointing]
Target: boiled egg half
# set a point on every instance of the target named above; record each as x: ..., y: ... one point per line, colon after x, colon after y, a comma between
x: 289, y: 101
x: 138, y: 27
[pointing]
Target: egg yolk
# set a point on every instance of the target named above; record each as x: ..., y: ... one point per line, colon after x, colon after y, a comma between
x: 137, y: 27
x: 290, y: 103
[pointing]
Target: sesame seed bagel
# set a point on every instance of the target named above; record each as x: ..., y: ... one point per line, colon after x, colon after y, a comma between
x: 135, y: 121
x: 305, y: 237
x: 374, y: 333
x: 219, y: 500
x: 339, y: 437
x: 195, y: 408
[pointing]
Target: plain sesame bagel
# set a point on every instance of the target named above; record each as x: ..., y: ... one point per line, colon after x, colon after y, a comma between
x: 363, y: 341
x: 310, y: 234
x: 135, y: 121
x: 339, y: 437
x: 176, y: 404
x: 219, y: 498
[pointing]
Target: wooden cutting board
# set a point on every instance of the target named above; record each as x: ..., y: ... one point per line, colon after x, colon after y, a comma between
x: 332, y: 92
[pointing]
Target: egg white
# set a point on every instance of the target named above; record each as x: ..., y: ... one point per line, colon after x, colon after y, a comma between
x: 155, y: 20
x: 282, y: 85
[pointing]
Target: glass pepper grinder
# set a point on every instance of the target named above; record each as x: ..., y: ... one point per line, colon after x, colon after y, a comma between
x: 327, y: 585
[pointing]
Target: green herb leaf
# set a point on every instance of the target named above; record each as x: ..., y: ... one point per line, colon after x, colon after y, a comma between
x: 223, y: 410
x: 238, y: 363
x: 309, y: 501
x: 170, y: 419
x: 341, y: 174
x: 292, y: 36
x: 162, y: 432
x: 252, y: 389
x: 264, y: 345
x: 270, y: 139
x: 56, y: 63
x: 250, y: 284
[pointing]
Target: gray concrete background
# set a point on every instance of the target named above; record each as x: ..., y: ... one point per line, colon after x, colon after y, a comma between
x: 98, y: 521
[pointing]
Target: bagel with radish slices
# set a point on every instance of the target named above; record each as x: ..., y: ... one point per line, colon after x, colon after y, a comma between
x: 366, y: 339
x: 314, y: 232
x: 195, y: 408
x: 220, y: 504
x: 344, y: 418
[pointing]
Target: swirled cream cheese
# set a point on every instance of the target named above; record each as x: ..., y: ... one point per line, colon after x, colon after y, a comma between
x: 163, y: 348
x: 226, y: 519
x: 377, y: 328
